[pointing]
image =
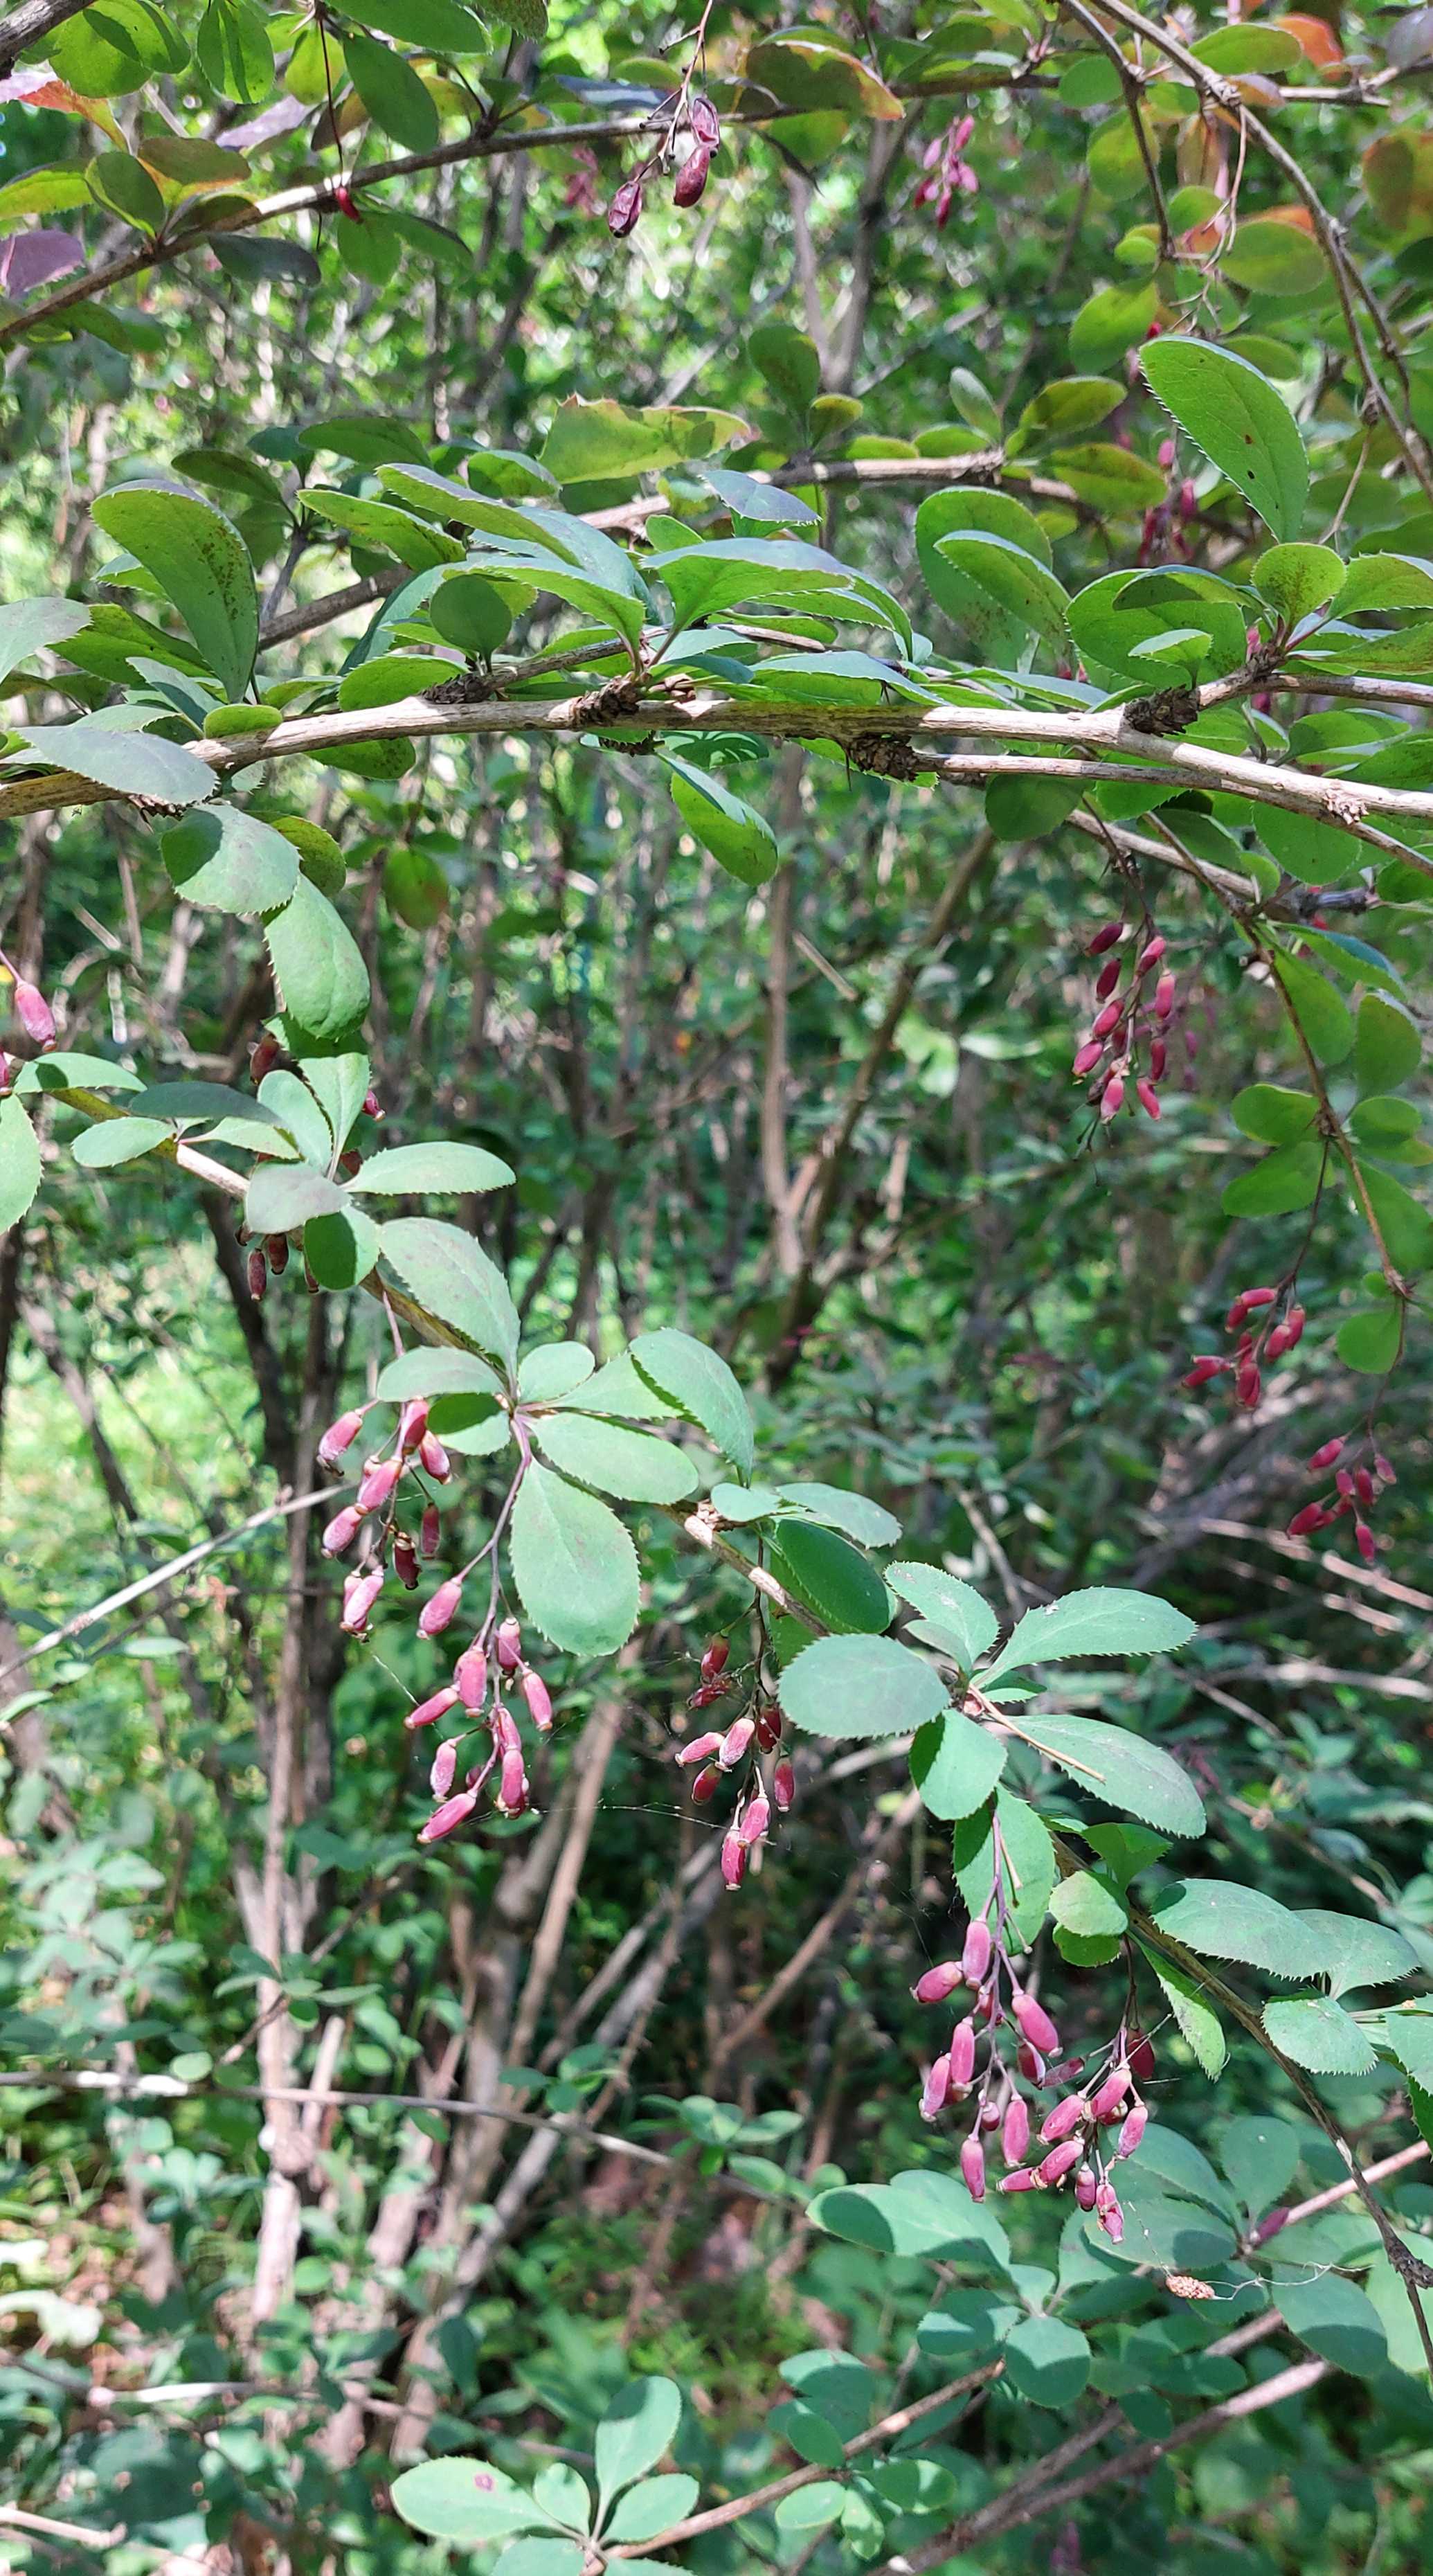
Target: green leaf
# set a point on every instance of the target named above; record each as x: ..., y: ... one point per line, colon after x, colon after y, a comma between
x: 1220, y: 1920
x: 451, y: 1275
x: 1086, y: 1904
x: 620, y: 1389
x: 129, y: 764
x: 707, y: 581
x: 200, y: 563
x: 341, y: 1248
x: 1274, y: 258
x: 629, y: 1464
x: 810, y: 2506
x: 866, y: 1522
x: 1317, y: 2033
x: 576, y: 1571
x: 593, y: 442
x: 1195, y: 2015
x: 654, y: 2506
x: 1284, y: 1180
x: 391, y: 91
x: 1337, y: 2320
x: 810, y: 2435
x: 229, y: 861
x: 955, y: 1764
x: 20, y: 1165
x: 281, y: 1196
x: 1361, y: 1953
x: 1322, y: 1014
x: 123, y: 186
x: 739, y: 839
x: 698, y: 1385
x: 439, y: 26
x: 1030, y: 1858
x: 1406, y: 1227
x: 554, y: 1370
x: 119, y: 1140
x: 831, y: 1577
x: 1261, y: 2157
x: 233, y: 51
x: 1047, y: 2361
x: 434, y: 1372
x: 440, y: 1166
x: 27, y: 626
x: 1119, y: 1768
x: 1163, y: 2230
x: 1238, y: 420
x: 1096, y: 1622
x: 1316, y: 853
x: 929, y: 2215
x: 1014, y: 582
x: 639, y: 2425
x: 1370, y: 1341
x: 1112, y: 321
x: 318, y: 965
x: 1274, y: 1116
x: 105, y: 52
x: 1109, y: 479
x: 953, y: 1605
x: 860, y: 1686
x: 788, y: 360
x: 541, y: 2558
x: 1296, y: 580
x: 465, y: 2501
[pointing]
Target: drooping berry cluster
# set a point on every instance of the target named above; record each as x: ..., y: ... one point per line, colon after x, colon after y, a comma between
x: 34, y: 1015
x: 695, y: 120
x: 1359, y: 1480
x: 1279, y: 1330
x: 948, y: 173
x: 1067, y: 2141
x: 1132, y: 1021
x: 495, y: 1655
x: 745, y: 1746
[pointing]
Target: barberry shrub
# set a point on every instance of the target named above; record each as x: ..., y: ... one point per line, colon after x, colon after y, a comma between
x: 712, y: 1260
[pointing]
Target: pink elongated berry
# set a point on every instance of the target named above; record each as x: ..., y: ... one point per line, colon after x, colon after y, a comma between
x: 441, y: 1609
x: 340, y: 1435
x: 714, y: 1660
x: 1269, y: 2225
x: 704, y: 121
x: 1110, y: 937
x: 1086, y: 2187
x: 379, y: 1480
x: 705, y: 1785
x: 1383, y: 1470
x: 1087, y: 1057
x: 258, y: 1273
x: 624, y: 213
x: 1205, y: 1367
x: 1034, y: 2024
x: 428, y: 1711
x: 1150, y: 955
x: 1294, y: 1323
x: 434, y: 1459
x: 1148, y: 1098
x: 1107, y: 979
x: 1277, y: 1343
x: 972, y: 2168
x: 447, y: 1818
x: 735, y: 1742
x: 1111, y: 2095
x: 1112, y: 1097
x: 783, y: 1787
x: 7, y: 1072
x: 263, y: 1056
x: 1164, y: 996
x: 1344, y: 1482
x: 470, y: 1673
x: 1063, y: 2120
x: 34, y: 1013
x: 962, y: 2052
x: 768, y: 1726
x: 936, y: 2089
x: 1106, y: 1020
x: 975, y: 1957
x: 1248, y: 1387
x: 1109, y: 2212
x: 359, y: 1594
x: 445, y: 1766
x: 707, y: 1694
x: 405, y: 1561
x: 1060, y: 2161
x: 1025, y: 2180
x: 1364, y: 1486
x: 1168, y: 450
x: 733, y: 1859
x: 1365, y: 1541
x: 539, y: 1701
x: 372, y: 1105
x: 1325, y: 1456
x: 512, y: 1784
x: 756, y: 1823
x: 691, y: 179
x: 430, y: 1531
x: 1248, y: 1302
x: 1140, y: 2053
x: 697, y: 1751
x: 1312, y: 1517
x: 413, y: 1424
x: 939, y: 1982
x: 507, y: 1645
x: 342, y: 1530
x: 1031, y: 2064
x: 1132, y: 2130
x: 1158, y: 1059
x: 276, y: 1250
x: 1067, y: 2070
x: 1015, y: 2134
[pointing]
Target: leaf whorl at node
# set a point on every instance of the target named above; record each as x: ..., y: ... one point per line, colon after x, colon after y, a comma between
x: 1168, y: 711
x: 883, y: 755
x: 619, y: 697
x: 465, y: 689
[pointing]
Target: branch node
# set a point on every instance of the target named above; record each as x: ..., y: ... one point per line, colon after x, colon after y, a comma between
x: 883, y: 755
x: 1168, y: 711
